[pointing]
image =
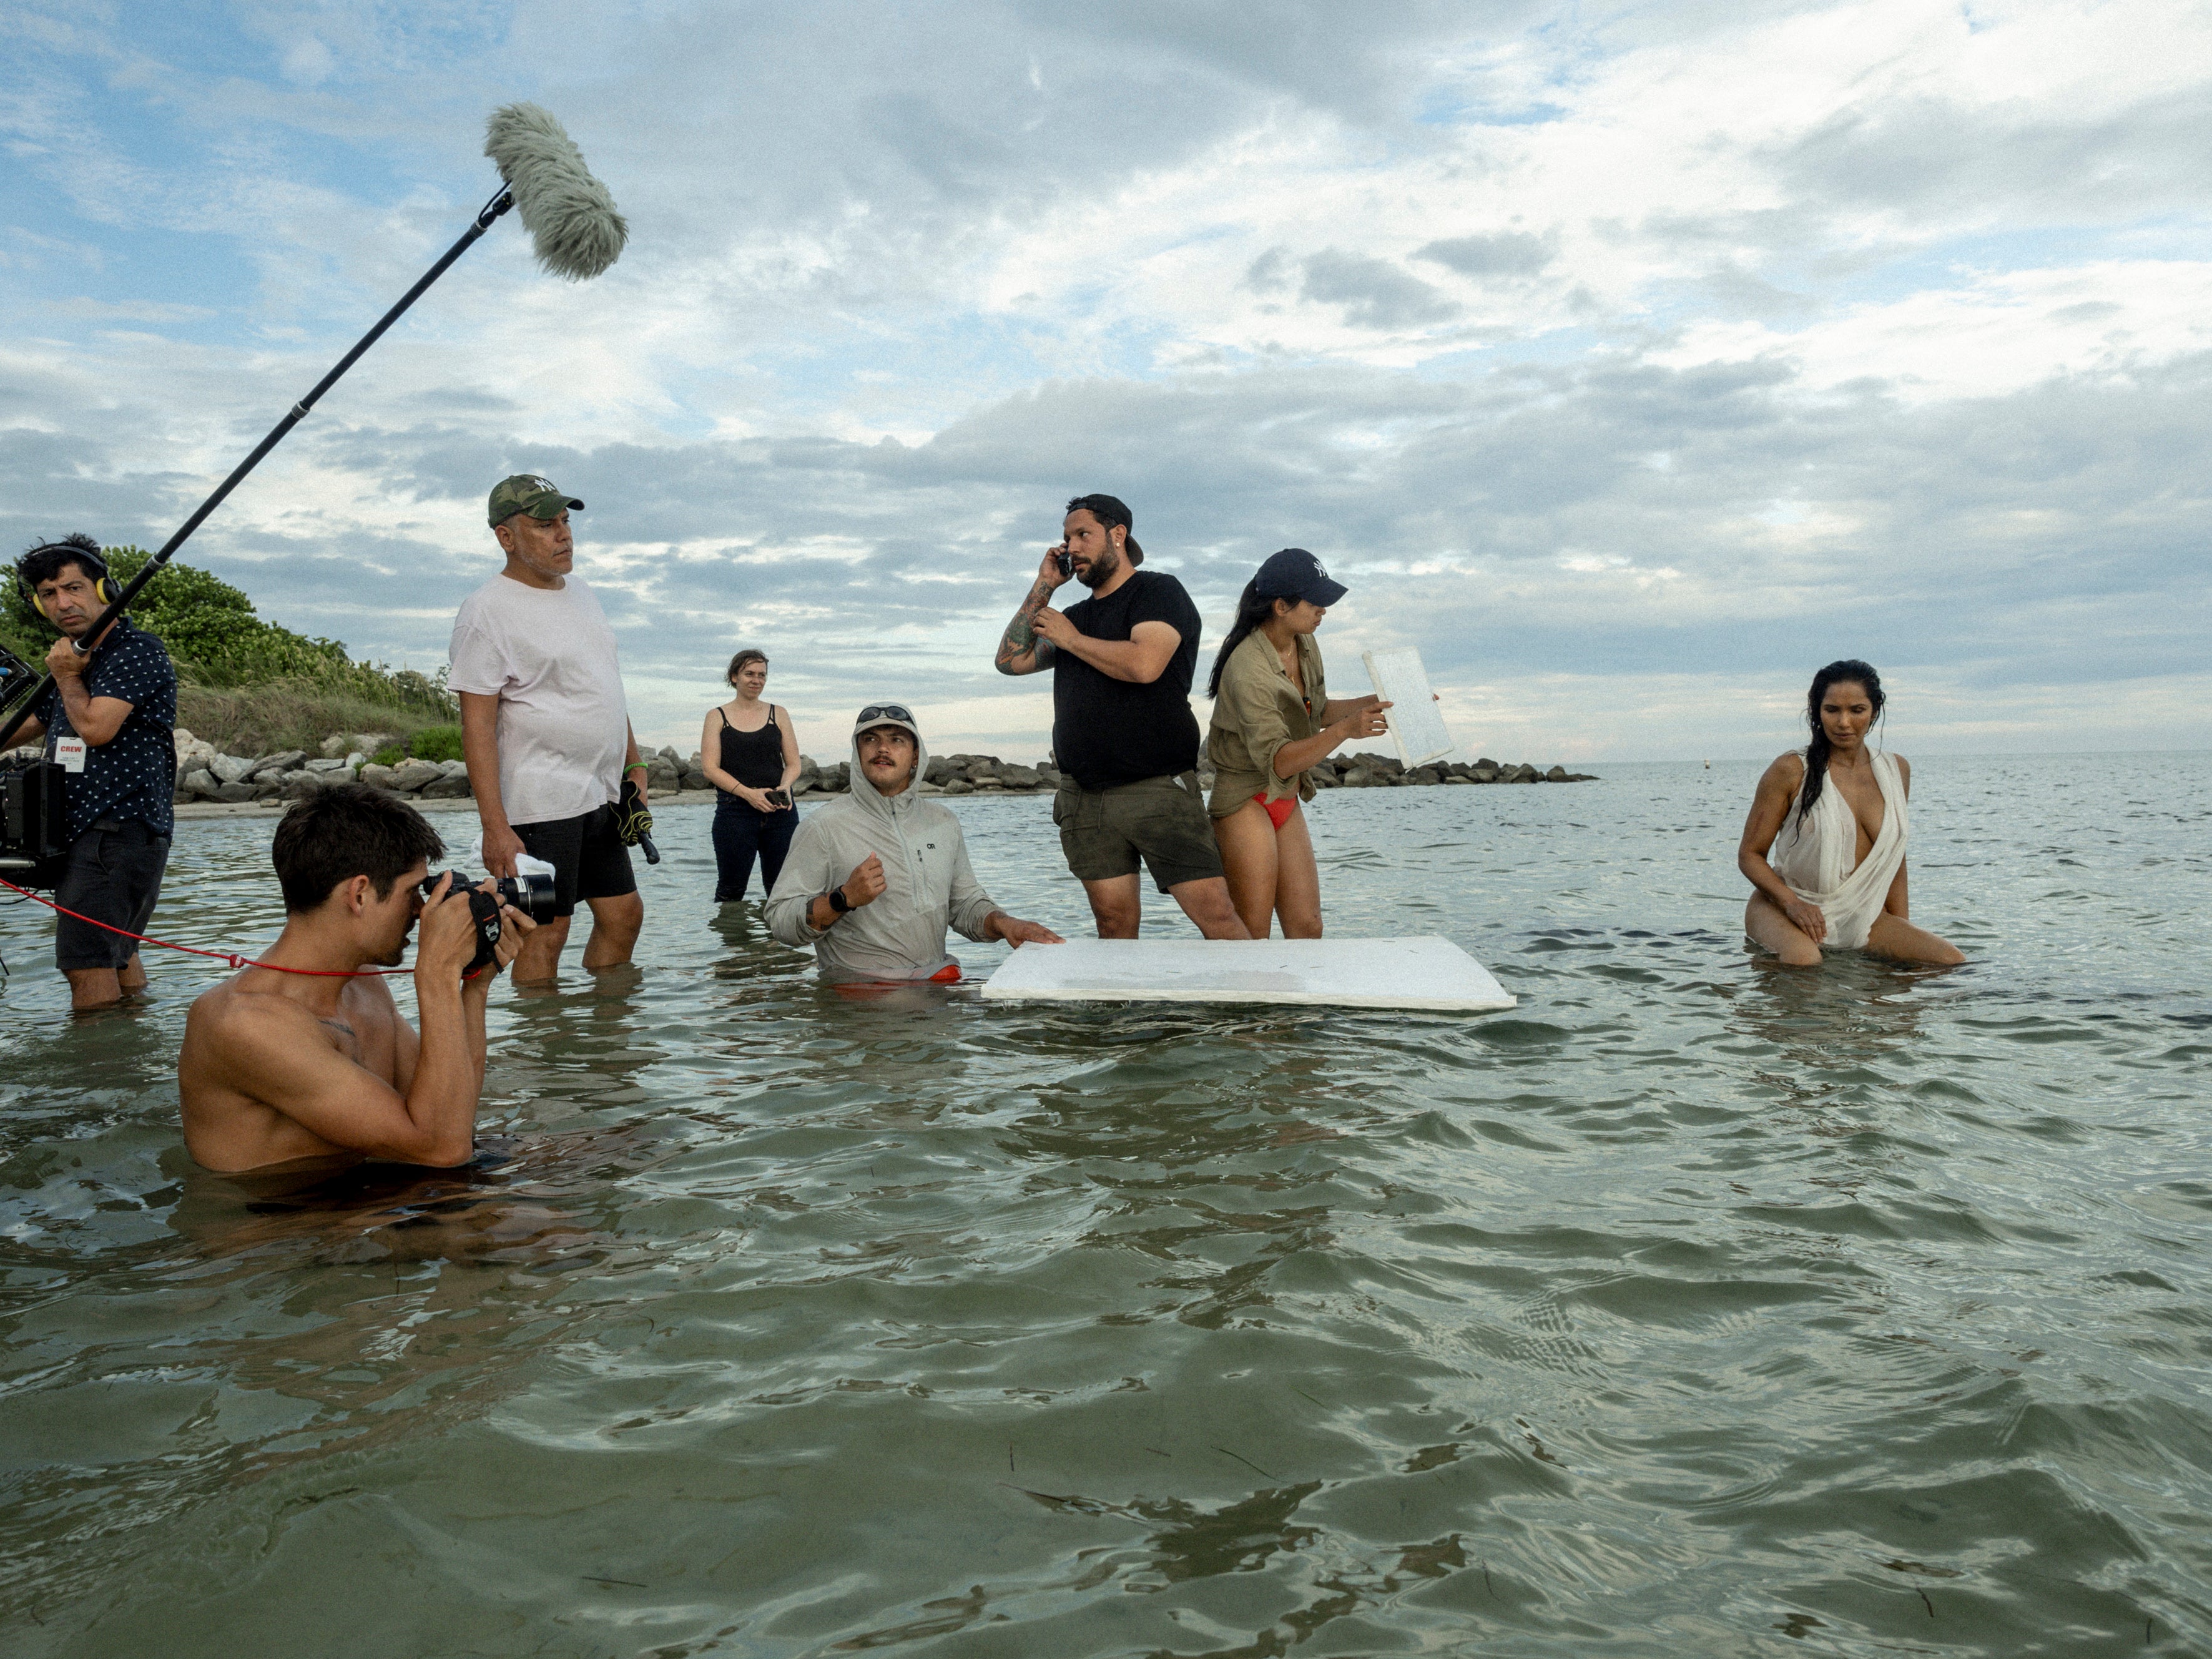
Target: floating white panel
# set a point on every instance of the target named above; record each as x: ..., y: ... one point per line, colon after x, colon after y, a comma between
x: 1421, y: 973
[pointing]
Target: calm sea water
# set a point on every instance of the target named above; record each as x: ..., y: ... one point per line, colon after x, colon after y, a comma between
x: 1695, y: 1306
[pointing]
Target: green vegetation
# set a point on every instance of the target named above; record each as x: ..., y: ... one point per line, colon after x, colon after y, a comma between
x: 391, y: 755
x: 248, y: 686
x: 436, y: 743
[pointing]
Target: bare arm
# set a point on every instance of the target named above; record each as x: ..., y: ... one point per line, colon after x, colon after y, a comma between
x: 1140, y: 659
x: 1337, y: 707
x: 632, y: 761
x: 1776, y: 795
x: 1020, y: 651
x: 480, y: 752
x: 1898, y: 904
x: 790, y: 731
x: 710, y: 761
x: 30, y: 731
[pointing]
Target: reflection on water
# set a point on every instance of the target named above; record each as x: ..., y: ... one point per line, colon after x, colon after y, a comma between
x: 1694, y: 1306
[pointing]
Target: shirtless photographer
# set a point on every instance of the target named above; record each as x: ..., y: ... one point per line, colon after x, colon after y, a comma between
x: 316, y: 1065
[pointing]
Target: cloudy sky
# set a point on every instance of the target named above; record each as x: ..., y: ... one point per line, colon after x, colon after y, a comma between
x: 1631, y: 361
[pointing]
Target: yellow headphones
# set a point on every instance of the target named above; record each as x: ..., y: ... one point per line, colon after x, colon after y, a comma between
x: 90, y: 562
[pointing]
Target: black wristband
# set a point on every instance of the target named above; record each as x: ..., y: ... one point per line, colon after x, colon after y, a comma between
x: 838, y: 902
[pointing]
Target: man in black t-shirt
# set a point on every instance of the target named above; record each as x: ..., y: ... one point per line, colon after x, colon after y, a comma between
x: 1122, y: 731
x: 110, y: 721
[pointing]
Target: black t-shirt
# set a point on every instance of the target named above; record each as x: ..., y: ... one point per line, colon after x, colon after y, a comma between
x: 133, y: 775
x: 1107, y: 731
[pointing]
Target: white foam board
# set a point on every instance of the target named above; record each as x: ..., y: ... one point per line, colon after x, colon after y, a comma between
x: 1400, y: 680
x: 1417, y: 973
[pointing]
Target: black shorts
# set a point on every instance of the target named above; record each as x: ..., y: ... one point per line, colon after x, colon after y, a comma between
x: 587, y: 855
x: 1160, y: 820
x: 114, y: 875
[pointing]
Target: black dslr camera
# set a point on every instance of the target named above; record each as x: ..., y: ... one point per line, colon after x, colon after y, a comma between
x: 34, y: 822
x: 532, y: 895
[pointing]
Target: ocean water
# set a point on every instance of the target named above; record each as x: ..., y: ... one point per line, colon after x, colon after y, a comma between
x: 1693, y: 1307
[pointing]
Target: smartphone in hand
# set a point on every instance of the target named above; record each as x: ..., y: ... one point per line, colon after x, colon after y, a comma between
x: 779, y: 797
x: 1066, y: 560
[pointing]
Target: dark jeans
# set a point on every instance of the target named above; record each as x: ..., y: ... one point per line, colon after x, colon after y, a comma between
x: 739, y: 833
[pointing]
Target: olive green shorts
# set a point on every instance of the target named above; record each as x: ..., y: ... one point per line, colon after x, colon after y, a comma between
x: 1162, y: 821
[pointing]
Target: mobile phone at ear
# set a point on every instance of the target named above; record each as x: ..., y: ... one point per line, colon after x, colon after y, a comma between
x: 1067, y: 562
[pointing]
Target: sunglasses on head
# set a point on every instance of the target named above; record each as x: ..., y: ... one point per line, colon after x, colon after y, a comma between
x: 884, y: 711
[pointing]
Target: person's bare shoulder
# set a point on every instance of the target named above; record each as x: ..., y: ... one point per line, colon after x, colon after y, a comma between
x: 1788, y: 768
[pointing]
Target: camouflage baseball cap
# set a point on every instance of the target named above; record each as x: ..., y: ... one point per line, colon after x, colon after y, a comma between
x: 529, y: 492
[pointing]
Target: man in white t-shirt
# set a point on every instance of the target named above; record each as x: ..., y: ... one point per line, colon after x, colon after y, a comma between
x: 545, y: 731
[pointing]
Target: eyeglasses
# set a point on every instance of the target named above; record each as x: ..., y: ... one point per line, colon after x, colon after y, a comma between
x: 885, y: 711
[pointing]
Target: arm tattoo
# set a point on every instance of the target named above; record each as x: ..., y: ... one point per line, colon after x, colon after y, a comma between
x: 1020, y: 639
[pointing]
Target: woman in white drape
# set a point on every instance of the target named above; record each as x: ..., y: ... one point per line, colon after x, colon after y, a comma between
x: 1824, y: 845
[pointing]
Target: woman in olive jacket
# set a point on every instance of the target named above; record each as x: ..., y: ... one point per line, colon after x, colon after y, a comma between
x: 1273, y: 718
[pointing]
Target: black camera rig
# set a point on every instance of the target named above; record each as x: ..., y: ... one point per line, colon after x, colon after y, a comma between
x: 33, y: 818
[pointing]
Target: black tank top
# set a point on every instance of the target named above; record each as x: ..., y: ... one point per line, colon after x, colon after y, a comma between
x: 753, y: 758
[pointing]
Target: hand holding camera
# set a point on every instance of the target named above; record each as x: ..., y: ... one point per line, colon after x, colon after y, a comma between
x: 497, y: 915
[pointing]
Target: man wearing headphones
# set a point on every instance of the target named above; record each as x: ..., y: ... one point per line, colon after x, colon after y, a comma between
x: 110, y: 722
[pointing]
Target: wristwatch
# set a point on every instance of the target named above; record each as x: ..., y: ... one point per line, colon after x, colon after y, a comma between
x: 838, y: 902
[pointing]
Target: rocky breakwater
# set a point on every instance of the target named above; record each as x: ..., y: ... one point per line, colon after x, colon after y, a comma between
x: 204, y: 774
x: 1372, y: 771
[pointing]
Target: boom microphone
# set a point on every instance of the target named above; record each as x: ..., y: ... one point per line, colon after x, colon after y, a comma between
x: 570, y: 216
x: 577, y: 233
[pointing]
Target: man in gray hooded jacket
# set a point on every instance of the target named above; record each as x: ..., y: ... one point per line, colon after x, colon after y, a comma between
x: 872, y: 881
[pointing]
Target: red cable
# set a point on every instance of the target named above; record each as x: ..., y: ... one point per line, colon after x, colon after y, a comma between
x: 190, y: 950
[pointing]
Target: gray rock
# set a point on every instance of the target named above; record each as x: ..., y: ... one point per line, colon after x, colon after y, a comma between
x: 959, y: 787
x: 447, y: 785
x: 1484, y: 763
x: 804, y: 785
x: 1557, y: 775
x: 454, y: 768
x: 1455, y: 778
x: 940, y: 769
x: 229, y: 768
x: 278, y: 764
x: 370, y: 743
x: 327, y: 767
x: 983, y: 770
x: 234, y: 793
x: 1483, y: 774
x: 413, y: 774
x: 354, y: 760
x: 1325, y: 780
x: 1357, y: 778
x: 1383, y: 766
x: 1425, y: 774
x: 1020, y: 777
x: 199, y: 781
x: 379, y: 777
x: 335, y: 744
x: 299, y: 785
x: 661, y: 773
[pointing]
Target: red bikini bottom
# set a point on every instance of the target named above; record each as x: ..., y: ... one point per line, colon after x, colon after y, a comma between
x: 1279, y: 811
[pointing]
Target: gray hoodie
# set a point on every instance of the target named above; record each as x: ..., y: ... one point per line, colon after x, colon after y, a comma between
x: 929, y: 884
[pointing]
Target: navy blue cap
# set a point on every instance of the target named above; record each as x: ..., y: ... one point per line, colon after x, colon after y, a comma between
x: 1295, y: 573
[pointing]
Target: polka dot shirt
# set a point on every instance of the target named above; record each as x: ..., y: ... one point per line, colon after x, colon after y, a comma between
x: 133, y: 775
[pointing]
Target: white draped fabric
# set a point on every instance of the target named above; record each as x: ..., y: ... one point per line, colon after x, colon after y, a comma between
x: 1816, y: 857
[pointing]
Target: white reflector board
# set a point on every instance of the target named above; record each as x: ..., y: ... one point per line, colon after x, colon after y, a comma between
x: 1400, y: 681
x: 1429, y: 973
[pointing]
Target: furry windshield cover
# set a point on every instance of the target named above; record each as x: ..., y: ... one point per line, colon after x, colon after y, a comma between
x: 570, y: 215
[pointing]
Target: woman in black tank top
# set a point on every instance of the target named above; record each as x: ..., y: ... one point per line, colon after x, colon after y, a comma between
x: 750, y: 752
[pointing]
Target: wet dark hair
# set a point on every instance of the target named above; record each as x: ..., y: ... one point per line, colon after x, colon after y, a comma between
x: 343, y: 830
x: 1251, y: 611
x: 738, y: 661
x: 1816, y: 752
x: 46, y: 560
x: 1109, y: 511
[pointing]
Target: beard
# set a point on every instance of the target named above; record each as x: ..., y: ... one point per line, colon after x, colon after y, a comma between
x: 1100, y: 569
